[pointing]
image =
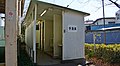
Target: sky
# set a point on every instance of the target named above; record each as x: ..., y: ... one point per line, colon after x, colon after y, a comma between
x: 94, y: 7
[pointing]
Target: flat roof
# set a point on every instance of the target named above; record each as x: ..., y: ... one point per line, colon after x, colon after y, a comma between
x: 110, y: 28
x: 62, y: 7
x: 105, y: 29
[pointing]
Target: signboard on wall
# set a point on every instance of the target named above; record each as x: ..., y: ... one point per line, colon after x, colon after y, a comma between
x: 72, y: 28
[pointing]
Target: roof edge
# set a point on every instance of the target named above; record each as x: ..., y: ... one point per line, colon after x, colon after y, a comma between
x: 103, y: 18
x: 86, y: 14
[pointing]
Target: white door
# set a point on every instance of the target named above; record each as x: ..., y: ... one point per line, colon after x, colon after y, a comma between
x: 73, y: 36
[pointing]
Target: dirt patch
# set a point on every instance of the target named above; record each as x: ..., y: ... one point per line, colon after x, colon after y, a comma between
x: 2, y: 64
x: 100, y: 62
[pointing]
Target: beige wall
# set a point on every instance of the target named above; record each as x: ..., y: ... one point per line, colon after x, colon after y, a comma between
x: 42, y: 36
x: 29, y: 39
x: 48, y: 34
x: 57, y: 40
x: 38, y: 38
x: 29, y: 35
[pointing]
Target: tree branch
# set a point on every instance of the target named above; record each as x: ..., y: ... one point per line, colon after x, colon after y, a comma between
x: 115, y: 3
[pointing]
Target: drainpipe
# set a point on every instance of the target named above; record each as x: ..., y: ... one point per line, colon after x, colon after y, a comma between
x: 34, y: 35
x: 19, y: 23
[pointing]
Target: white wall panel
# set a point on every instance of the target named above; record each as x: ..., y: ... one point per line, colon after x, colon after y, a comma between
x: 73, y: 39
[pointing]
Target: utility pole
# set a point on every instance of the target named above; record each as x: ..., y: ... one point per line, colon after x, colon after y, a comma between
x: 11, y: 19
x: 94, y: 39
x: 104, y: 21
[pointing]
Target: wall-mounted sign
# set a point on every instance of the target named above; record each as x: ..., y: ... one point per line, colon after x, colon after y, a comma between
x: 10, y: 15
x: 72, y: 28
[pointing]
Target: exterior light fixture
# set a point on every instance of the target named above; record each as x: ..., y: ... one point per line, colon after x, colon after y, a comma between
x: 43, y: 12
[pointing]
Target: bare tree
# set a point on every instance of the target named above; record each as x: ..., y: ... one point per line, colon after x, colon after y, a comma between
x: 107, y: 4
x: 115, y: 3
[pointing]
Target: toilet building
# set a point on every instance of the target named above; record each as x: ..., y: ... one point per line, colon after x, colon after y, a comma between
x: 55, y: 30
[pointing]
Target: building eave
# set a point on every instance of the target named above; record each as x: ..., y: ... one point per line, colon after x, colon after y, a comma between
x: 103, y: 18
x: 62, y: 7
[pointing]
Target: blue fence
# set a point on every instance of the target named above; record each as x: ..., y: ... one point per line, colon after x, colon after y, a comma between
x: 111, y: 37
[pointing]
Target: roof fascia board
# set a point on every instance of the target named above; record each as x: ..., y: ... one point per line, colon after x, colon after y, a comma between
x: 61, y: 7
x: 32, y: 2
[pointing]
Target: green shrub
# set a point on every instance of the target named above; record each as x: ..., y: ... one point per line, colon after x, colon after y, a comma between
x: 109, y: 53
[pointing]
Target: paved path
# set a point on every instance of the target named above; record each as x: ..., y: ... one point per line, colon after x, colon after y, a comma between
x: 67, y: 64
x: 44, y: 60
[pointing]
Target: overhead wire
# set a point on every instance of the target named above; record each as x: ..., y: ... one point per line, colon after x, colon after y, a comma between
x: 70, y: 3
x: 83, y: 4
